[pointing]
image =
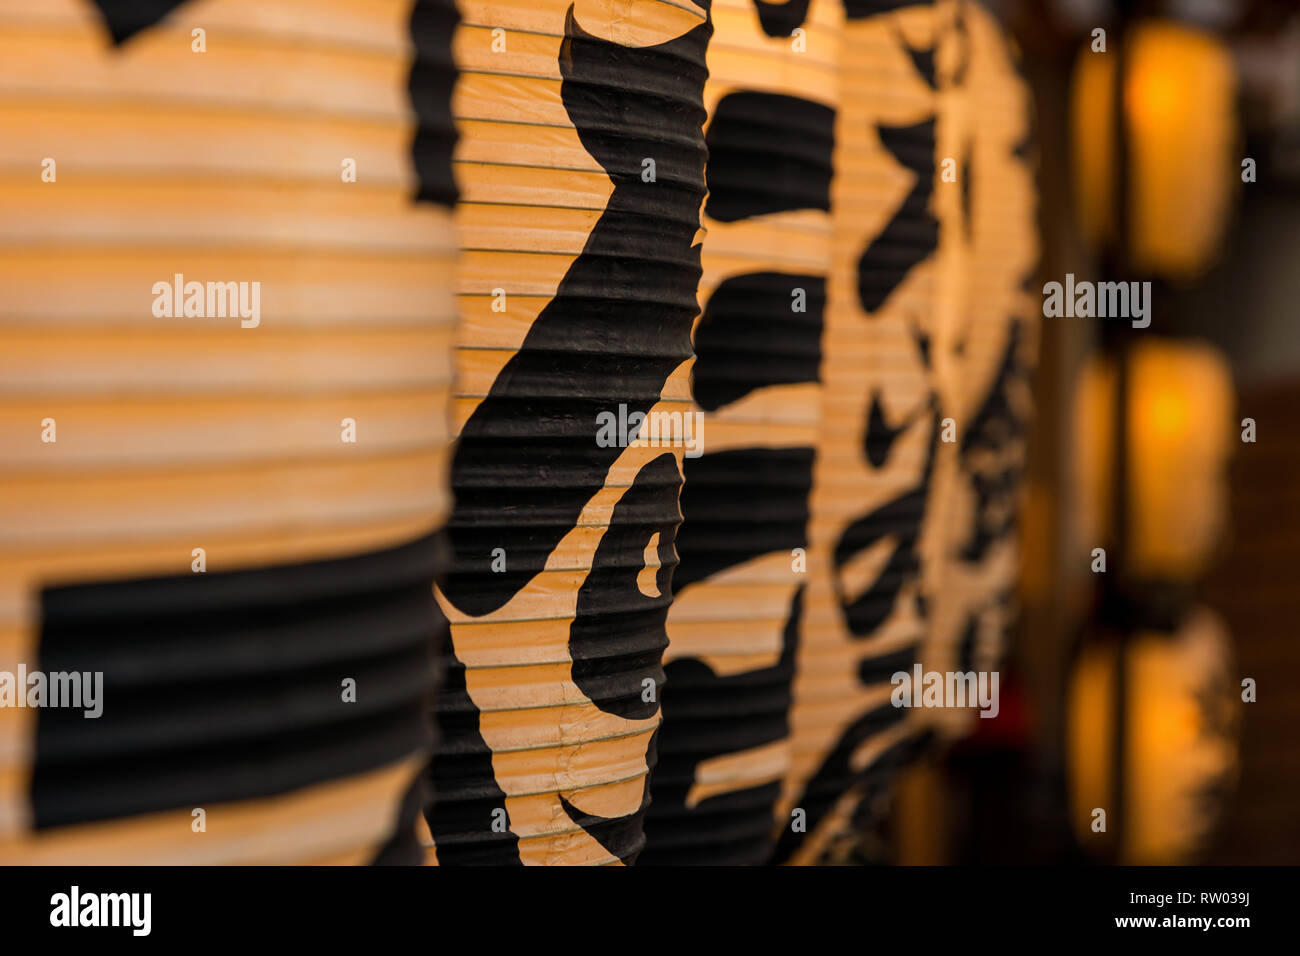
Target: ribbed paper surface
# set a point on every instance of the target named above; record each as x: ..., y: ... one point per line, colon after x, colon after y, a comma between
x: 910, y: 527
x: 733, y: 627
x: 223, y: 690
x: 581, y: 165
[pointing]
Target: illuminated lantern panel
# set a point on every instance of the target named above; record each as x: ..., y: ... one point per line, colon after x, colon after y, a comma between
x: 1180, y: 756
x: 581, y: 165
x: 225, y: 353
x: 983, y: 343
x: 724, y: 746
x: 1180, y: 124
x: 1180, y: 429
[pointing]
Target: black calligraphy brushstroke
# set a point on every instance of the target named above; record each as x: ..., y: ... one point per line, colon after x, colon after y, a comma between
x: 741, y: 504
x: 429, y: 86
x: 967, y: 191
x: 706, y: 716
x: 877, y: 786
x: 912, y: 234
x: 922, y: 339
x: 225, y: 686
x: 749, y: 337
x: 618, y: 635
x: 618, y: 325
x: 922, y: 59
x: 879, y: 669
x: 768, y: 153
x: 879, y: 437
x: 781, y: 19
x: 863, y: 9
x: 466, y: 792
x: 126, y: 18
x: 623, y: 837
x: 900, y: 518
x: 836, y: 776
x: 988, y: 453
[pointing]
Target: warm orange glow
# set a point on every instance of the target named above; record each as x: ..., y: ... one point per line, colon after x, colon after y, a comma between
x: 1153, y: 97
x: 1168, y: 413
x: 1175, y: 751
x: 1092, y: 135
x: 1180, y: 433
x: 1179, y: 95
x: 1180, y: 423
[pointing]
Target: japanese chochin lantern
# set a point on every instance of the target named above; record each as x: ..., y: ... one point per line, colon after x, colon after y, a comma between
x: 1179, y: 123
x: 924, y: 354
x: 581, y: 165
x: 983, y: 347
x: 742, y: 549
x: 225, y: 356
x: 1179, y: 432
x: 858, y: 618
x: 1176, y: 726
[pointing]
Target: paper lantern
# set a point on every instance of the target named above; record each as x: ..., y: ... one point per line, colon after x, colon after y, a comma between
x: 225, y: 352
x: 581, y: 164
x: 724, y: 744
x: 925, y: 350
x: 1179, y: 756
x: 983, y: 347
x: 1181, y: 140
x: 859, y: 619
x: 1180, y: 430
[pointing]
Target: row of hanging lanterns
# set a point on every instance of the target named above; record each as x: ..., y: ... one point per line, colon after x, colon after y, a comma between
x: 694, y: 377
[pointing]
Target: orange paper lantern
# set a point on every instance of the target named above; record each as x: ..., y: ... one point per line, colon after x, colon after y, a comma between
x: 724, y: 746
x: 581, y: 163
x: 225, y: 348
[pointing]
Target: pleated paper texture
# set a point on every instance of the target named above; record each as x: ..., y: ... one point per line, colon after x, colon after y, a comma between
x: 983, y: 348
x: 875, y: 443
x: 301, y: 445
x: 932, y: 238
x: 581, y: 166
x: 725, y: 742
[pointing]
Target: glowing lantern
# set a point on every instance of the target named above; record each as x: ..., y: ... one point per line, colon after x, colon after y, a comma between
x: 581, y: 165
x: 724, y: 744
x: 984, y: 344
x: 1181, y: 136
x: 1180, y: 429
x: 1179, y: 745
x: 225, y: 348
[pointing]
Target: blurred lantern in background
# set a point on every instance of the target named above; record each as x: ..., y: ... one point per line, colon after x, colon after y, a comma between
x: 1152, y: 713
x: 1151, y: 720
x: 1180, y: 431
x: 1181, y: 166
x: 581, y: 165
x: 1177, y: 757
x: 724, y: 745
x: 226, y: 505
